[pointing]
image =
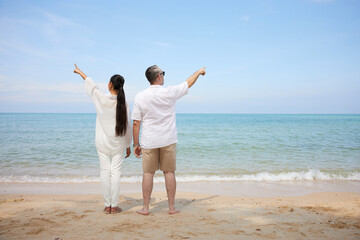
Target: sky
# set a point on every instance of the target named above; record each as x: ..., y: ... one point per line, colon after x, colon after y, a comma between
x: 261, y: 56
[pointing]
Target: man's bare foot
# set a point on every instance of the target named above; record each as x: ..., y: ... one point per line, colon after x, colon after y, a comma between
x: 143, y: 212
x: 173, y: 211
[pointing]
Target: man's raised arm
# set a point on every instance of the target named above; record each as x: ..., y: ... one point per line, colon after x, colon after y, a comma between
x: 192, y: 79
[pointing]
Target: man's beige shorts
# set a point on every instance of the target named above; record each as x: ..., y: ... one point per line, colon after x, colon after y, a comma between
x: 164, y: 157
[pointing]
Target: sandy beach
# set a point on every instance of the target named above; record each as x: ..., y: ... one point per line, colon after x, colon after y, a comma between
x: 318, y: 215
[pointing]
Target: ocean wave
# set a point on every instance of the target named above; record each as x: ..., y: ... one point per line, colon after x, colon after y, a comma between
x: 52, y: 179
x: 310, y: 175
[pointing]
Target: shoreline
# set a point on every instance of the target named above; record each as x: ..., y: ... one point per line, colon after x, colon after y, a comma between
x: 233, y: 189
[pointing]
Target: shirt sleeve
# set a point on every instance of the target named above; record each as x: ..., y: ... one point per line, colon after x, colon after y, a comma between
x: 136, y: 114
x: 92, y: 90
x: 179, y: 91
x: 128, y: 135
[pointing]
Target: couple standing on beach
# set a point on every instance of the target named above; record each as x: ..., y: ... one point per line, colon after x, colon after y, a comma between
x: 154, y: 108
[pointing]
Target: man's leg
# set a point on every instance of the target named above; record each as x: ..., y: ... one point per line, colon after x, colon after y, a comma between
x: 147, y: 187
x: 150, y: 158
x: 168, y: 166
x: 170, y: 183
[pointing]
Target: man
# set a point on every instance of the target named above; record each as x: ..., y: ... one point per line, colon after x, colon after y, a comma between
x: 154, y: 107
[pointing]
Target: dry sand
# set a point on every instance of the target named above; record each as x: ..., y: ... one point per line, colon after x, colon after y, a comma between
x: 331, y: 215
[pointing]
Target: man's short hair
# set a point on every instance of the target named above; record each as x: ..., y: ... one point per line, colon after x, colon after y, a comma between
x: 152, y: 73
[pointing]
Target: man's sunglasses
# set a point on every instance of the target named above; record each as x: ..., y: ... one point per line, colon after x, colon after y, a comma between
x: 163, y: 73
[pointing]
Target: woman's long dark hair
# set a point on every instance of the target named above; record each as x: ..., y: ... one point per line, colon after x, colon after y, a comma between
x: 121, y: 111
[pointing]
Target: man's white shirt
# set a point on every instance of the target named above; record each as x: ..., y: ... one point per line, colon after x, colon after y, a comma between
x: 155, y: 107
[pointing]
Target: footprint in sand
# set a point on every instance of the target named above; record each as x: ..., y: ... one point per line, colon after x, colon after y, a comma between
x: 34, y: 222
x: 191, y: 234
x: 88, y: 211
x: 173, y: 236
x: 124, y: 227
x: 36, y: 231
x: 339, y: 224
x: 72, y: 214
x: 39, y: 225
x: 79, y: 217
x: 63, y: 214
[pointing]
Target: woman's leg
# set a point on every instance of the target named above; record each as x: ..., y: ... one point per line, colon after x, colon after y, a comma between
x: 116, y: 163
x: 104, y: 161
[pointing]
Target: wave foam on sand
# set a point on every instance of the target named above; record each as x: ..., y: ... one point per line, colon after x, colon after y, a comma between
x: 311, y: 174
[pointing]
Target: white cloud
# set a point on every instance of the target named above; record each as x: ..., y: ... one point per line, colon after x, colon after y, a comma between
x: 55, y: 25
x: 65, y: 87
x: 245, y: 18
x: 57, y: 20
x: 23, y: 47
x: 7, y: 24
x: 62, y: 93
x: 57, y: 93
x: 160, y: 44
x: 22, y: 34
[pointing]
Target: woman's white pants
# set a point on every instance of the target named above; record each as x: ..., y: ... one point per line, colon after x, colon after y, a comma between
x: 110, y: 171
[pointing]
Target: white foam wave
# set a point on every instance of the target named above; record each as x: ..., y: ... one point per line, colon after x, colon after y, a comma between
x: 38, y: 179
x: 312, y: 175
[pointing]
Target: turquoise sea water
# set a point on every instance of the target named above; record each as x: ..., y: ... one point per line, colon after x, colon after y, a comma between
x: 211, y: 147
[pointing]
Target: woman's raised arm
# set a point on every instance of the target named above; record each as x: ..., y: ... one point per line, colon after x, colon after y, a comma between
x: 78, y: 71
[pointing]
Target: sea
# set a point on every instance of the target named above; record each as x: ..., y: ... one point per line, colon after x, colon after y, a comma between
x: 60, y: 148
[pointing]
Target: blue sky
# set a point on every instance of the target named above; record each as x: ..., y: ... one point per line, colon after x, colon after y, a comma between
x: 299, y: 56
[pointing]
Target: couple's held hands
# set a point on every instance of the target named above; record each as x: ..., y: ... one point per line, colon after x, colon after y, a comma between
x: 137, y: 151
x: 128, y: 152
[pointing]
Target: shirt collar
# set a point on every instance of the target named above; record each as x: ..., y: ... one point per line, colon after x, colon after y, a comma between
x: 155, y: 86
x: 111, y: 96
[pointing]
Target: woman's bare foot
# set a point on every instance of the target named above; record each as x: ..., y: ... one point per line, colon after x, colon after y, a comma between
x: 143, y: 211
x: 115, y: 210
x: 107, y: 210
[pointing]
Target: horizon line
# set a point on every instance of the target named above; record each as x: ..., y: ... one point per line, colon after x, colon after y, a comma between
x: 189, y: 113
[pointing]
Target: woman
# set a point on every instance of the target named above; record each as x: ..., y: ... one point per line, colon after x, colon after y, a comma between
x: 112, y: 135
